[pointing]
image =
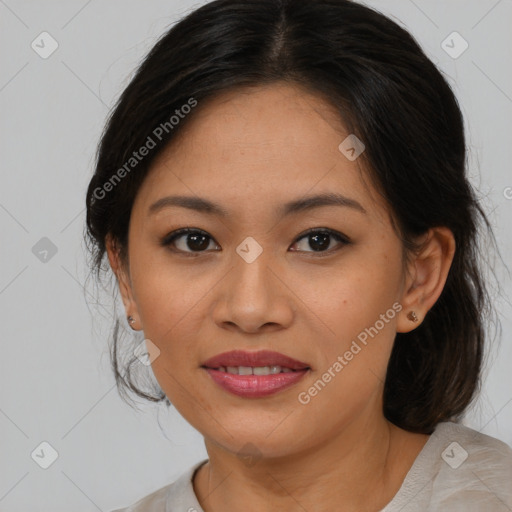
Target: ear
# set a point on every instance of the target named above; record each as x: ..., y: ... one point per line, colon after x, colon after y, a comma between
x: 123, y: 279
x: 426, y: 276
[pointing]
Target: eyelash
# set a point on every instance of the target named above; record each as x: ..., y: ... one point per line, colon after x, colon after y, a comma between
x: 172, y: 237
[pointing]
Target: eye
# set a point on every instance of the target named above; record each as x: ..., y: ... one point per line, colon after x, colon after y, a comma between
x: 320, y: 239
x: 188, y: 240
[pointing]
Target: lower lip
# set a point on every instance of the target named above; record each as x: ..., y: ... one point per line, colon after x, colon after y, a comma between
x: 255, y: 386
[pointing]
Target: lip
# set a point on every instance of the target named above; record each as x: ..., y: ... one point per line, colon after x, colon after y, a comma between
x: 260, y: 358
x: 255, y: 386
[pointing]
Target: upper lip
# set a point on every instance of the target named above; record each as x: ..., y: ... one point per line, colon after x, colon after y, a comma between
x: 261, y: 358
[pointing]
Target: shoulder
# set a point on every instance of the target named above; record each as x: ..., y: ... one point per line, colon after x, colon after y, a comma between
x: 152, y: 502
x: 170, y: 497
x: 474, y: 469
x: 470, y: 448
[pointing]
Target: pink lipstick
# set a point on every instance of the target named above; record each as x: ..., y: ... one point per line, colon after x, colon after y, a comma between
x: 254, y: 374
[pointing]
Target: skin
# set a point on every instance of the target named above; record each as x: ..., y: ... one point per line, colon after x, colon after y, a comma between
x: 251, y: 151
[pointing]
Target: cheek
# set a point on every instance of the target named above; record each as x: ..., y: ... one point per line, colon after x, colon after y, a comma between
x: 171, y: 308
x: 166, y: 291
x: 353, y: 353
x: 350, y: 297
x: 352, y: 311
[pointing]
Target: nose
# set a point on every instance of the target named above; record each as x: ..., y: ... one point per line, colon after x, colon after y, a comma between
x: 253, y: 297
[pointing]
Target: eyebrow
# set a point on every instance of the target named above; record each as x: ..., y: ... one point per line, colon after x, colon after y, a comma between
x: 299, y: 205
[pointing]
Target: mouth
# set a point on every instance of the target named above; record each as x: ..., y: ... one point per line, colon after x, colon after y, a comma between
x: 263, y: 361
x: 254, y: 374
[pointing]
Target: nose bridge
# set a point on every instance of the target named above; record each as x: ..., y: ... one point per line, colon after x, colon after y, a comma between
x: 253, y: 296
x: 249, y: 286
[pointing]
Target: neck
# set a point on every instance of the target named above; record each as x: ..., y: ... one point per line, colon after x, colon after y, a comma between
x: 360, y: 468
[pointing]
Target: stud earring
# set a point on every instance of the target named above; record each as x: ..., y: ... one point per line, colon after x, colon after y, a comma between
x: 131, y: 321
x: 412, y: 316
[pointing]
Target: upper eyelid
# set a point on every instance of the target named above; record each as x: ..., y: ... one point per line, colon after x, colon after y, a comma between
x: 176, y: 234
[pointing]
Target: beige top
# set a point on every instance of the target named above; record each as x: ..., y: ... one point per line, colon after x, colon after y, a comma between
x: 458, y: 469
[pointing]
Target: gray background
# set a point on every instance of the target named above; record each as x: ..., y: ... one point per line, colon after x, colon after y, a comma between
x: 56, y: 384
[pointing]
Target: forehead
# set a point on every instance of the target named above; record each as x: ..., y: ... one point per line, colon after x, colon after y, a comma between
x: 275, y: 121
x: 256, y: 146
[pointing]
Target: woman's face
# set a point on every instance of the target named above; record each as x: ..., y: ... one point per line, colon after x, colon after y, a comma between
x: 312, y: 298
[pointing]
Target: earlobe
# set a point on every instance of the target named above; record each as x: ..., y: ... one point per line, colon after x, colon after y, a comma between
x: 429, y: 270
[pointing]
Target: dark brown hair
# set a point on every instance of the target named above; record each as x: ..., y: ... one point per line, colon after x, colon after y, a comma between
x: 389, y: 94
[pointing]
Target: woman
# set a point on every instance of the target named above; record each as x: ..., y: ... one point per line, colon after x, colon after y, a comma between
x: 281, y: 193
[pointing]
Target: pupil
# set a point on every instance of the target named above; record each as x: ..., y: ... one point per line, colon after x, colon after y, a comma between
x: 193, y: 244
x: 318, y: 242
x: 324, y: 242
